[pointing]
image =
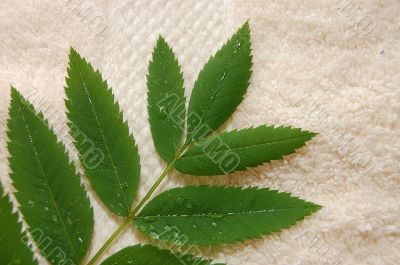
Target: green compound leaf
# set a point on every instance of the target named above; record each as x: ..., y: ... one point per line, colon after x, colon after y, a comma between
x: 238, y: 150
x: 146, y: 254
x: 202, y: 215
x: 166, y: 101
x: 53, y: 202
x: 220, y: 86
x: 13, y: 250
x: 107, y: 150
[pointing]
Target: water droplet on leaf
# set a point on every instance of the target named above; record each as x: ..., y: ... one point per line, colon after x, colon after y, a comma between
x: 179, y: 200
x: 163, y: 113
x: 31, y: 203
x: 150, y: 219
x: 216, y: 216
x: 154, y: 235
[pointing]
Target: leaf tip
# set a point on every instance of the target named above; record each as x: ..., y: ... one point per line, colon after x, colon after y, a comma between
x: 311, y: 135
x: 245, y: 28
x: 162, y: 44
x: 74, y: 56
x: 317, y: 207
x: 312, y: 207
x: 160, y: 39
x: 14, y: 91
x: 16, y: 95
x: 72, y: 52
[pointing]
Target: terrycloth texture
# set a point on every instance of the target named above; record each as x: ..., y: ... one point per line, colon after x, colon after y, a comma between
x: 328, y: 66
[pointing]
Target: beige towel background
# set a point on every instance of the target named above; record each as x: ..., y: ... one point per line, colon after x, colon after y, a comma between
x: 328, y: 66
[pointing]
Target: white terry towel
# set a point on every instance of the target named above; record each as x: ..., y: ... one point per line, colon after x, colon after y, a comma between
x: 332, y: 67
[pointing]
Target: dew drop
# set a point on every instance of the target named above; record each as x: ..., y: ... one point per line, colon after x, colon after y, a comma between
x: 179, y: 200
x: 238, y: 44
x: 162, y: 113
x: 40, y: 183
x: 16, y: 262
x: 154, y: 235
x: 237, y: 47
x: 214, y: 224
x: 178, y: 242
x: 150, y: 219
x: 75, y: 201
x: 80, y: 240
x: 46, y: 208
x: 31, y: 203
x: 216, y: 216
x: 223, y: 76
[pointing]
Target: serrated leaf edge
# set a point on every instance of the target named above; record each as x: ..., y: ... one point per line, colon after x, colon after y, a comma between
x: 198, y: 260
x: 20, y: 223
x: 115, y: 103
x: 162, y: 39
x: 41, y: 116
x: 246, y: 27
x: 314, y: 208
x: 308, y: 137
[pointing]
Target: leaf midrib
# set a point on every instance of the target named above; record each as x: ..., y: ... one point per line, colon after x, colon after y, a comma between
x: 225, y: 214
x: 165, y: 93
x: 47, y: 184
x: 216, y: 91
x: 244, y: 147
x: 103, y: 137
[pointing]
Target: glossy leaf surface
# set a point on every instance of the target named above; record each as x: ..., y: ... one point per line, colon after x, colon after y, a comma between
x: 166, y: 101
x: 239, y: 150
x: 107, y: 151
x: 13, y: 249
x: 53, y: 202
x: 220, y: 86
x: 145, y: 255
x: 202, y: 215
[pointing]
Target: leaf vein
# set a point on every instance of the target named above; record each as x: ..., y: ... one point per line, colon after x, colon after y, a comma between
x: 103, y: 137
x: 47, y: 185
